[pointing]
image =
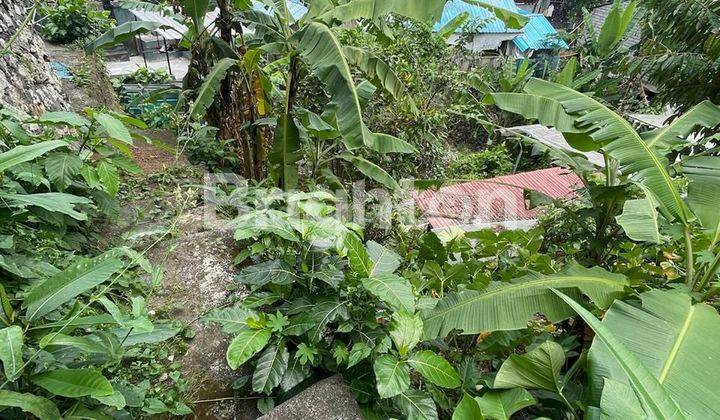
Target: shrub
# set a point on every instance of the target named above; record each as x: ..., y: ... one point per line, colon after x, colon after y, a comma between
x: 146, y: 76
x: 72, y: 20
x: 159, y: 115
x: 485, y: 164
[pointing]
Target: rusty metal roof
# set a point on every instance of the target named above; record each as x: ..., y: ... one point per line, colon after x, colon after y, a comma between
x: 493, y: 202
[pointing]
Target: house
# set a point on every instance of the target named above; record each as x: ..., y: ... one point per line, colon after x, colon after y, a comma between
x: 483, y: 31
x: 497, y: 203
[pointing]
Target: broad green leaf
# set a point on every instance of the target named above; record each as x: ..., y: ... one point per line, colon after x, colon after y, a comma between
x: 467, y: 409
x: 126, y: 164
x: 315, y: 319
x: 453, y: 25
x: 232, y: 319
x: 566, y: 76
x: 161, y: 332
x: 674, y: 135
x: 359, y: 352
x: 54, y: 202
x: 69, y: 283
x: 511, y: 19
x: 622, y: 142
x: 11, y: 343
x: 256, y: 223
x: 501, y: 405
x: 285, y: 153
x: 547, y: 111
x: 406, y: 331
x: 63, y: 117
x: 385, y: 143
x: 196, y: 9
x: 358, y: 257
x: 74, y: 383
x: 20, y: 154
x: 40, y: 407
x: 704, y: 192
x: 322, y: 52
x: 371, y: 170
x: 393, y: 290
x: 639, y: 220
x: 435, y: 369
x: 384, y: 261
x: 537, y: 369
x: 121, y: 33
x: 655, y: 399
x: 116, y: 400
x: 614, y: 27
x: 416, y: 405
x: 85, y: 344
x: 109, y: 177
x: 509, y: 306
x: 113, y: 127
x: 245, y: 345
x: 619, y: 401
x: 672, y: 338
x: 273, y: 271
x: 379, y: 73
x: 331, y: 275
x: 211, y: 85
x: 61, y: 168
x: 392, y: 376
x: 270, y: 368
x: 427, y: 11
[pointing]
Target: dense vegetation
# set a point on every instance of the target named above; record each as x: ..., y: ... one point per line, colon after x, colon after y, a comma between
x: 606, y: 309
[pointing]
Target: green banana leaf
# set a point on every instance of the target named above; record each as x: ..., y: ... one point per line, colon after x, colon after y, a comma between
x: 322, y: 52
x: 674, y: 340
x: 704, y: 192
x: 210, y: 87
x: 617, y: 136
x: 380, y: 74
x: 654, y: 398
x: 120, y: 34
x: 509, y: 306
x: 427, y: 11
x: 285, y: 152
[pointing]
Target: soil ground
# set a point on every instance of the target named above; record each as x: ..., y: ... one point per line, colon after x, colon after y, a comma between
x: 197, y: 260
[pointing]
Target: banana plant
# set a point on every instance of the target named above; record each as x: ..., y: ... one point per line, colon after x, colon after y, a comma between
x: 664, y: 372
x: 259, y: 71
x: 634, y: 158
x: 310, y: 41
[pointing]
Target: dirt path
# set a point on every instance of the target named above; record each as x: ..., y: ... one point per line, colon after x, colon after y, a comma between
x: 165, y: 202
x: 198, y: 272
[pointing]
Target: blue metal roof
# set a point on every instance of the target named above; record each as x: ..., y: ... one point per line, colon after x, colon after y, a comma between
x: 538, y: 34
x: 483, y: 18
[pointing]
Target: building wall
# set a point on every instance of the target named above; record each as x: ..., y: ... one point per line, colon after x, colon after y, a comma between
x: 484, y: 42
x: 26, y: 80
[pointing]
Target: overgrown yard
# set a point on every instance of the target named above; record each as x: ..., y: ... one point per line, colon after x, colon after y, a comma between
x: 360, y: 209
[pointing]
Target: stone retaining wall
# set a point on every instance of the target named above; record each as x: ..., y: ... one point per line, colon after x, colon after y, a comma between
x: 26, y: 79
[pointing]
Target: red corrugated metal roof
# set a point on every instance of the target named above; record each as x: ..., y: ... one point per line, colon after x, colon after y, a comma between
x: 494, y: 200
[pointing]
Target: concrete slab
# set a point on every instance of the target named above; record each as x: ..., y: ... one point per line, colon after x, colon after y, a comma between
x: 329, y: 399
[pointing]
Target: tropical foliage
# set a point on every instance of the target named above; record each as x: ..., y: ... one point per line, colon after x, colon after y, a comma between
x: 68, y: 21
x: 607, y: 308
